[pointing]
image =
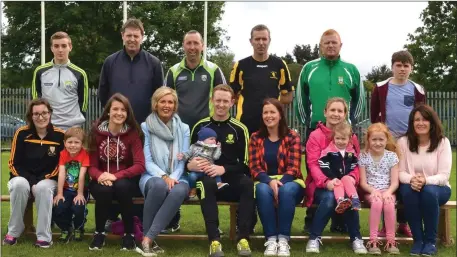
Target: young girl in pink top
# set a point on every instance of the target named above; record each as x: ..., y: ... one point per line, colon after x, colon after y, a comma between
x: 378, y: 166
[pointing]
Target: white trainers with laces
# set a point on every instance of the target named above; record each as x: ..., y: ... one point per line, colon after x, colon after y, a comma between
x: 272, y: 248
x: 358, y: 247
x: 313, y: 245
x: 283, y: 248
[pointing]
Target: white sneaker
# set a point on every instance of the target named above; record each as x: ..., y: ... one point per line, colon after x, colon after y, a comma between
x: 272, y: 248
x: 283, y: 248
x: 358, y: 247
x: 313, y: 245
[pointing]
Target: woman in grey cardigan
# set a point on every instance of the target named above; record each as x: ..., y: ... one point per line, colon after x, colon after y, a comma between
x: 164, y: 183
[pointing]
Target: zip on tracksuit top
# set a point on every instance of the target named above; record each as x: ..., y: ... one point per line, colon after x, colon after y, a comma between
x: 66, y: 88
x: 36, y: 158
x: 322, y: 79
x: 194, y: 89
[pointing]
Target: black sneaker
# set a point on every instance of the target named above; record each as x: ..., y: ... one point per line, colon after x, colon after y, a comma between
x: 128, y: 242
x: 98, y: 242
x: 156, y: 248
x: 65, y: 236
x: 174, y: 228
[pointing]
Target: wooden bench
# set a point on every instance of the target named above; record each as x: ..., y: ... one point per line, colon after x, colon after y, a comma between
x: 444, y: 227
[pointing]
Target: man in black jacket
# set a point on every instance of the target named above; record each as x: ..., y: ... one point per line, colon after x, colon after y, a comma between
x: 132, y: 72
x: 231, y: 166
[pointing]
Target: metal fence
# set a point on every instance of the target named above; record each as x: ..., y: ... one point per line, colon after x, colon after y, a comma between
x: 14, y: 103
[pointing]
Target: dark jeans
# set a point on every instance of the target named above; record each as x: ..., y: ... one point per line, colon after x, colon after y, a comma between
x: 277, y: 221
x: 337, y: 219
x: 122, y: 190
x: 240, y: 189
x: 424, y: 206
x: 67, y: 214
x: 327, y: 203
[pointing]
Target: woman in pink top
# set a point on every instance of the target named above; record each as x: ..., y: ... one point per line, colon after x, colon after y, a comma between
x: 425, y: 167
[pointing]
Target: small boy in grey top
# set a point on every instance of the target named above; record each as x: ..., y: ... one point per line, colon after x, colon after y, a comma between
x: 206, y: 147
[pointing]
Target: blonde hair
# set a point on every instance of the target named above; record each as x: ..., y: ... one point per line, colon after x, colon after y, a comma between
x: 381, y: 127
x: 337, y: 100
x: 161, y: 92
x: 343, y: 128
x: 74, y: 132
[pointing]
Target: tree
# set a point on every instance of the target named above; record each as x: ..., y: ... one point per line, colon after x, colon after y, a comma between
x: 433, y: 47
x: 379, y: 73
x: 304, y: 54
x: 94, y: 28
x: 288, y: 58
x: 224, y: 59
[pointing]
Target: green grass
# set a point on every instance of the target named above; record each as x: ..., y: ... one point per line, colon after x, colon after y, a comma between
x: 192, y: 223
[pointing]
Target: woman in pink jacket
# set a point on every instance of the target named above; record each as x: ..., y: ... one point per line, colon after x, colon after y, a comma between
x: 425, y: 167
x: 319, y: 188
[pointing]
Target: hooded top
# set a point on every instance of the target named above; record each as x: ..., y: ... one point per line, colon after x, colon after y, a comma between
x: 318, y: 140
x: 335, y: 165
x: 121, y: 155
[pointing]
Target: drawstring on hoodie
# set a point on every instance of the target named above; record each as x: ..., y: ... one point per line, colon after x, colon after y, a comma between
x: 117, y: 153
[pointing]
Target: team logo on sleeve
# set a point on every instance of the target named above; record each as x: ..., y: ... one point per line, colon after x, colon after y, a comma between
x: 204, y: 77
x: 340, y: 80
x: 273, y: 75
x: 52, y: 151
x: 229, y: 139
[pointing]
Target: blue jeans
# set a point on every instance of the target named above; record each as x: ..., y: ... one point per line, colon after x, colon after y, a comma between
x: 277, y: 221
x: 327, y: 203
x: 424, y: 206
x: 68, y: 214
x: 194, y: 176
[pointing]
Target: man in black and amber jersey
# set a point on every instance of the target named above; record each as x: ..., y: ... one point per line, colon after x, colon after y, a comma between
x: 257, y: 77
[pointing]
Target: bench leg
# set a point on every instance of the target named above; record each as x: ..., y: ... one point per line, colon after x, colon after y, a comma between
x: 444, y: 228
x: 232, y: 233
x: 28, y: 218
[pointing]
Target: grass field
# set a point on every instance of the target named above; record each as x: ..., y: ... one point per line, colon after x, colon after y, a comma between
x: 192, y: 223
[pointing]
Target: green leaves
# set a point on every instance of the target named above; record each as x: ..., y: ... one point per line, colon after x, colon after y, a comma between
x: 95, y: 30
x: 433, y: 47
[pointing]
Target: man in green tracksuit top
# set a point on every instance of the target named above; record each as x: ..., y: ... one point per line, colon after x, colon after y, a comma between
x: 320, y: 80
x: 327, y: 77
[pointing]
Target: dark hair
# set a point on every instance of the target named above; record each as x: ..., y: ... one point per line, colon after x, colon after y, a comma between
x: 436, y: 128
x: 190, y: 32
x: 130, y: 120
x: 260, y: 27
x: 283, y: 129
x: 133, y: 23
x: 403, y: 57
x: 29, y: 113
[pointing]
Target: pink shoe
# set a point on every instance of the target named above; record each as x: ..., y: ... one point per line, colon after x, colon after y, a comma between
x: 403, y: 229
x: 382, y: 232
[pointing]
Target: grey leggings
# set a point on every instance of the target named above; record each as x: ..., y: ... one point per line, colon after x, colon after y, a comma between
x: 160, y: 205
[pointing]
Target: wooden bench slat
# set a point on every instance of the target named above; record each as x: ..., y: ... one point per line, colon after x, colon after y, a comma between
x: 444, y: 234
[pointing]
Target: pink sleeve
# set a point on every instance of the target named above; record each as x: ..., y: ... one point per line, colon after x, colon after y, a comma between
x: 313, y: 151
x: 444, y: 159
x: 355, y: 173
x: 138, y: 161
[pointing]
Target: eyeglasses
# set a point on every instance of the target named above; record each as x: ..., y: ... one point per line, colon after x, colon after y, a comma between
x: 36, y: 115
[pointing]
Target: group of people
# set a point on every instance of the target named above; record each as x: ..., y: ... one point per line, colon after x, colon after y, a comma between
x: 174, y: 138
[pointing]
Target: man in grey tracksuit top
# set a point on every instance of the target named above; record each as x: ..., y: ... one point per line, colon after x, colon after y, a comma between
x: 63, y: 84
